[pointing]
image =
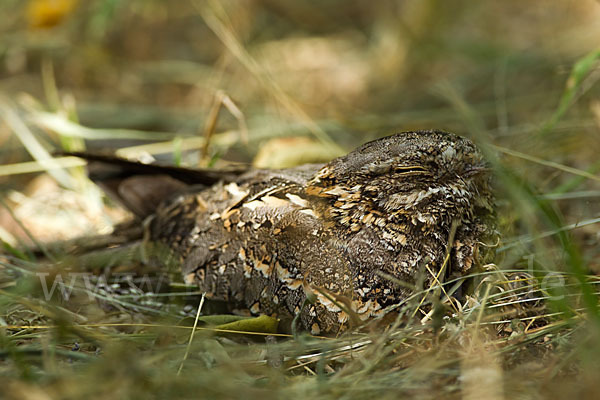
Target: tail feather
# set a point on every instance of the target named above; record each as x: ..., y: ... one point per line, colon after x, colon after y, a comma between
x: 142, y: 187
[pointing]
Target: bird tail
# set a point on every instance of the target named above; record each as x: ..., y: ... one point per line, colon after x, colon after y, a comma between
x: 142, y: 187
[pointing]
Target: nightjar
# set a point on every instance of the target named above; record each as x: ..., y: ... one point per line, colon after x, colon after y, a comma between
x: 344, y: 233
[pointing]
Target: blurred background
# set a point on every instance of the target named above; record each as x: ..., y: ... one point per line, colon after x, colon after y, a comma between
x: 297, y: 82
x: 275, y: 83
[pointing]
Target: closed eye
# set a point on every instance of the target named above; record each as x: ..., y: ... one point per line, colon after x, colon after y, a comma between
x: 410, y: 169
x: 390, y: 167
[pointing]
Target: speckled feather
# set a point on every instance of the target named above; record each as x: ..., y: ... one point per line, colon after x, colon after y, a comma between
x: 334, y: 231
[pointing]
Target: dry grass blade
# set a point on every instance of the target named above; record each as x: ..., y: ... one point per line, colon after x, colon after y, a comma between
x: 187, y: 349
x: 60, y: 124
x: 546, y: 163
x: 212, y: 12
x: 222, y: 100
x: 32, y: 144
x: 510, y: 243
x: 37, y: 166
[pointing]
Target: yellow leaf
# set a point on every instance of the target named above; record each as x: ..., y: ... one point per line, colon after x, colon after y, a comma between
x: 264, y: 324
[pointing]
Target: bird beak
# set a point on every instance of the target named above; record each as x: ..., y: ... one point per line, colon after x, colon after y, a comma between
x: 477, y: 170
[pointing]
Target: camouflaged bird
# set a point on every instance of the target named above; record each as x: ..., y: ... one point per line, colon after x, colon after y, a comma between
x: 343, y: 233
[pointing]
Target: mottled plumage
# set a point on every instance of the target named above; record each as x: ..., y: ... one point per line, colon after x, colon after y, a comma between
x: 266, y: 238
x: 343, y: 234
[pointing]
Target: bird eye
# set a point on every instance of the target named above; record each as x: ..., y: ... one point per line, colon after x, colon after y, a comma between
x: 410, y: 169
x: 388, y: 167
